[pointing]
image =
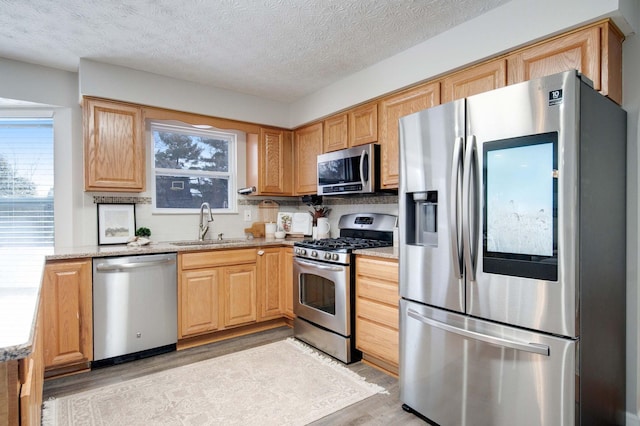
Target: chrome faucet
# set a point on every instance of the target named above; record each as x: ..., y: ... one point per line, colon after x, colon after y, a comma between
x: 203, y: 228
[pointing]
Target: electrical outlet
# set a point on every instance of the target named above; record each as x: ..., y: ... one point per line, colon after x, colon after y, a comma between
x: 247, y: 215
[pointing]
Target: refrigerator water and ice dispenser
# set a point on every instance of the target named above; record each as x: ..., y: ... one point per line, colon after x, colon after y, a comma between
x: 425, y: 218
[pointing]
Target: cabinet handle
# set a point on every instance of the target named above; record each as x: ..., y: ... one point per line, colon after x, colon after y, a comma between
x: 260, y: 252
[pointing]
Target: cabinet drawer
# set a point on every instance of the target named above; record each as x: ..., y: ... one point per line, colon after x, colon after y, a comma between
x: 377, y: 340
x: 376, y: 312
x: 379, y: 269
x: 379, y: 291
x: 205, y: 259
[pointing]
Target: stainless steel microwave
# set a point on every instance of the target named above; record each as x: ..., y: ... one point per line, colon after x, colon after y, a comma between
x: 349, y: 171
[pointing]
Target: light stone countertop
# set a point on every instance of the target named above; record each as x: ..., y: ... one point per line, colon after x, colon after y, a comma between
x: 20, y: 281
x: 384, y: 252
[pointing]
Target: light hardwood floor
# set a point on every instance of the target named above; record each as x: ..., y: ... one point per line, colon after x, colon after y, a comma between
x: 380, y: 409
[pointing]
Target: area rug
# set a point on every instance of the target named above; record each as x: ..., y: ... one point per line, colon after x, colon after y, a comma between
x: 282, y: 383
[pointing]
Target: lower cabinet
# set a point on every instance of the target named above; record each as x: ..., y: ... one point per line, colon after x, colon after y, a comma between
x: 216, y: 290
x: 223, y: 290
x: 377, y: 322
x: 239, y: 283
x: 199, y: 295
x: 271, y: 274
x: 288, y: 281
x: 67, y: 316
x: 22, y: 382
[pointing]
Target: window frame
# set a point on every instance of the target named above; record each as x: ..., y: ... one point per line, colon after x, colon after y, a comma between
x: 209, y: 131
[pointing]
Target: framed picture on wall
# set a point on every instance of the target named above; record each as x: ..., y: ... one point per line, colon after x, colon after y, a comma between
x: 116, y: 223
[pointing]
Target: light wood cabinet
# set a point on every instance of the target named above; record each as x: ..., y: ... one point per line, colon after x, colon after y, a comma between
x: 288, y: 281
x: 482, y: 78
x: 199, y: 292
x: 271, y: 290
x: 392, y: 108
x: 308, y: 144
x: 377, y: 313
x: 31, y: 373
x: 594, y: 51
x: 22, y: 382
x: 114, y: 151
x: 270, y: 162
x: 67, y: 314
x: 336, y: 133
x: 363, y: 124
x: 239, y: 284
x: 9, y: 393
x: 216, y: 290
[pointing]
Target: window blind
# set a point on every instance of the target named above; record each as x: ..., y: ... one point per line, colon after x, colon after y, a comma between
x: 26, y: 182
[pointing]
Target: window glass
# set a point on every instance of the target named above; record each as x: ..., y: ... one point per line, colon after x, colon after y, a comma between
x: 26, y: 182
x: 192, y: 166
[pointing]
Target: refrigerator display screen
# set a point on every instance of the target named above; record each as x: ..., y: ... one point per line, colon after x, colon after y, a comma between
x: 520, y: 206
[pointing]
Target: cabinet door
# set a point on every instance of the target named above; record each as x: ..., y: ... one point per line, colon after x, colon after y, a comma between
x: 113, y: 147
x: 275, y: 161
x: 270, y: 283
x: 239, y: 294
x: 391, y: 110
x: 287, y: 281
x: 579, y: 50
x: 363, y: 125
x: 68, y: 331
x: 308, y: 144
x: 377, y: 310
x: 472, y: 81
x: 32, y: 378
x: 199, y: 306
x: 336, y: 135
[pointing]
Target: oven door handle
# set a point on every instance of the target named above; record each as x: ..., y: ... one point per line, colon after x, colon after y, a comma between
x: 322, y: 267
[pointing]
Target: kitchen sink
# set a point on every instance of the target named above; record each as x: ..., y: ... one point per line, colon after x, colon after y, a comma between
x: 207, y: 242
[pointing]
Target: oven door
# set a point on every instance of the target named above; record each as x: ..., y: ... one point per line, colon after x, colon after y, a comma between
x: 321, y: 294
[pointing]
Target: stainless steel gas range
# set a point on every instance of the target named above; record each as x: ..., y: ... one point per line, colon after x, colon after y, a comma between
x: 324, y: 282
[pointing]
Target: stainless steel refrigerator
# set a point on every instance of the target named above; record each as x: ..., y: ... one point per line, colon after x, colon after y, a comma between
x: 512, y: 257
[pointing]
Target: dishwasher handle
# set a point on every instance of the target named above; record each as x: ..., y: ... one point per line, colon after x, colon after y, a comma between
x: 104, y: 267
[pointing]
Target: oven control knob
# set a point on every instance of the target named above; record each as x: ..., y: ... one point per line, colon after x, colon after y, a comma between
x: 314, y: 254
x: 327, y: 256
x: 335, y: 256
x: 301, y: 252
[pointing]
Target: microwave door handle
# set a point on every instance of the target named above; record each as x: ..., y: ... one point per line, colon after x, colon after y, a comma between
x: 363, y: 160
x: 468, y: 216
x: 454, y: 207
x: 535, y: 348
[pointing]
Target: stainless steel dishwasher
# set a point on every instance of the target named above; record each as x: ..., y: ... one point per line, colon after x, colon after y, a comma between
x: 134, y: 307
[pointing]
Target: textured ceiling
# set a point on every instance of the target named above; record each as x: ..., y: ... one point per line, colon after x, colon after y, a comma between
x: 276, y: 49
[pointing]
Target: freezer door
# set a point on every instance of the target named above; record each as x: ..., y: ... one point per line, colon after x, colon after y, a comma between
x: 456, y: 370
x: 430, y: 261
x: 521, y: 253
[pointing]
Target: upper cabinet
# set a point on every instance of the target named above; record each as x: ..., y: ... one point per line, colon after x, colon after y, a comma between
x: 482, y: 78
x: 270, y: 162
x: 336, y: 134
x: 392, y: 109
x: 308, y: 144
x: 363, y: 124
x: 357, y: 126
x: 113, y: 146
x: 595, y: 51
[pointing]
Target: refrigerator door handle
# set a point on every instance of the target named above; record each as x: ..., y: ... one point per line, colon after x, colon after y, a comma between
x: 535, y: 348
x: 469, y: 166
x: 454, y: 207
